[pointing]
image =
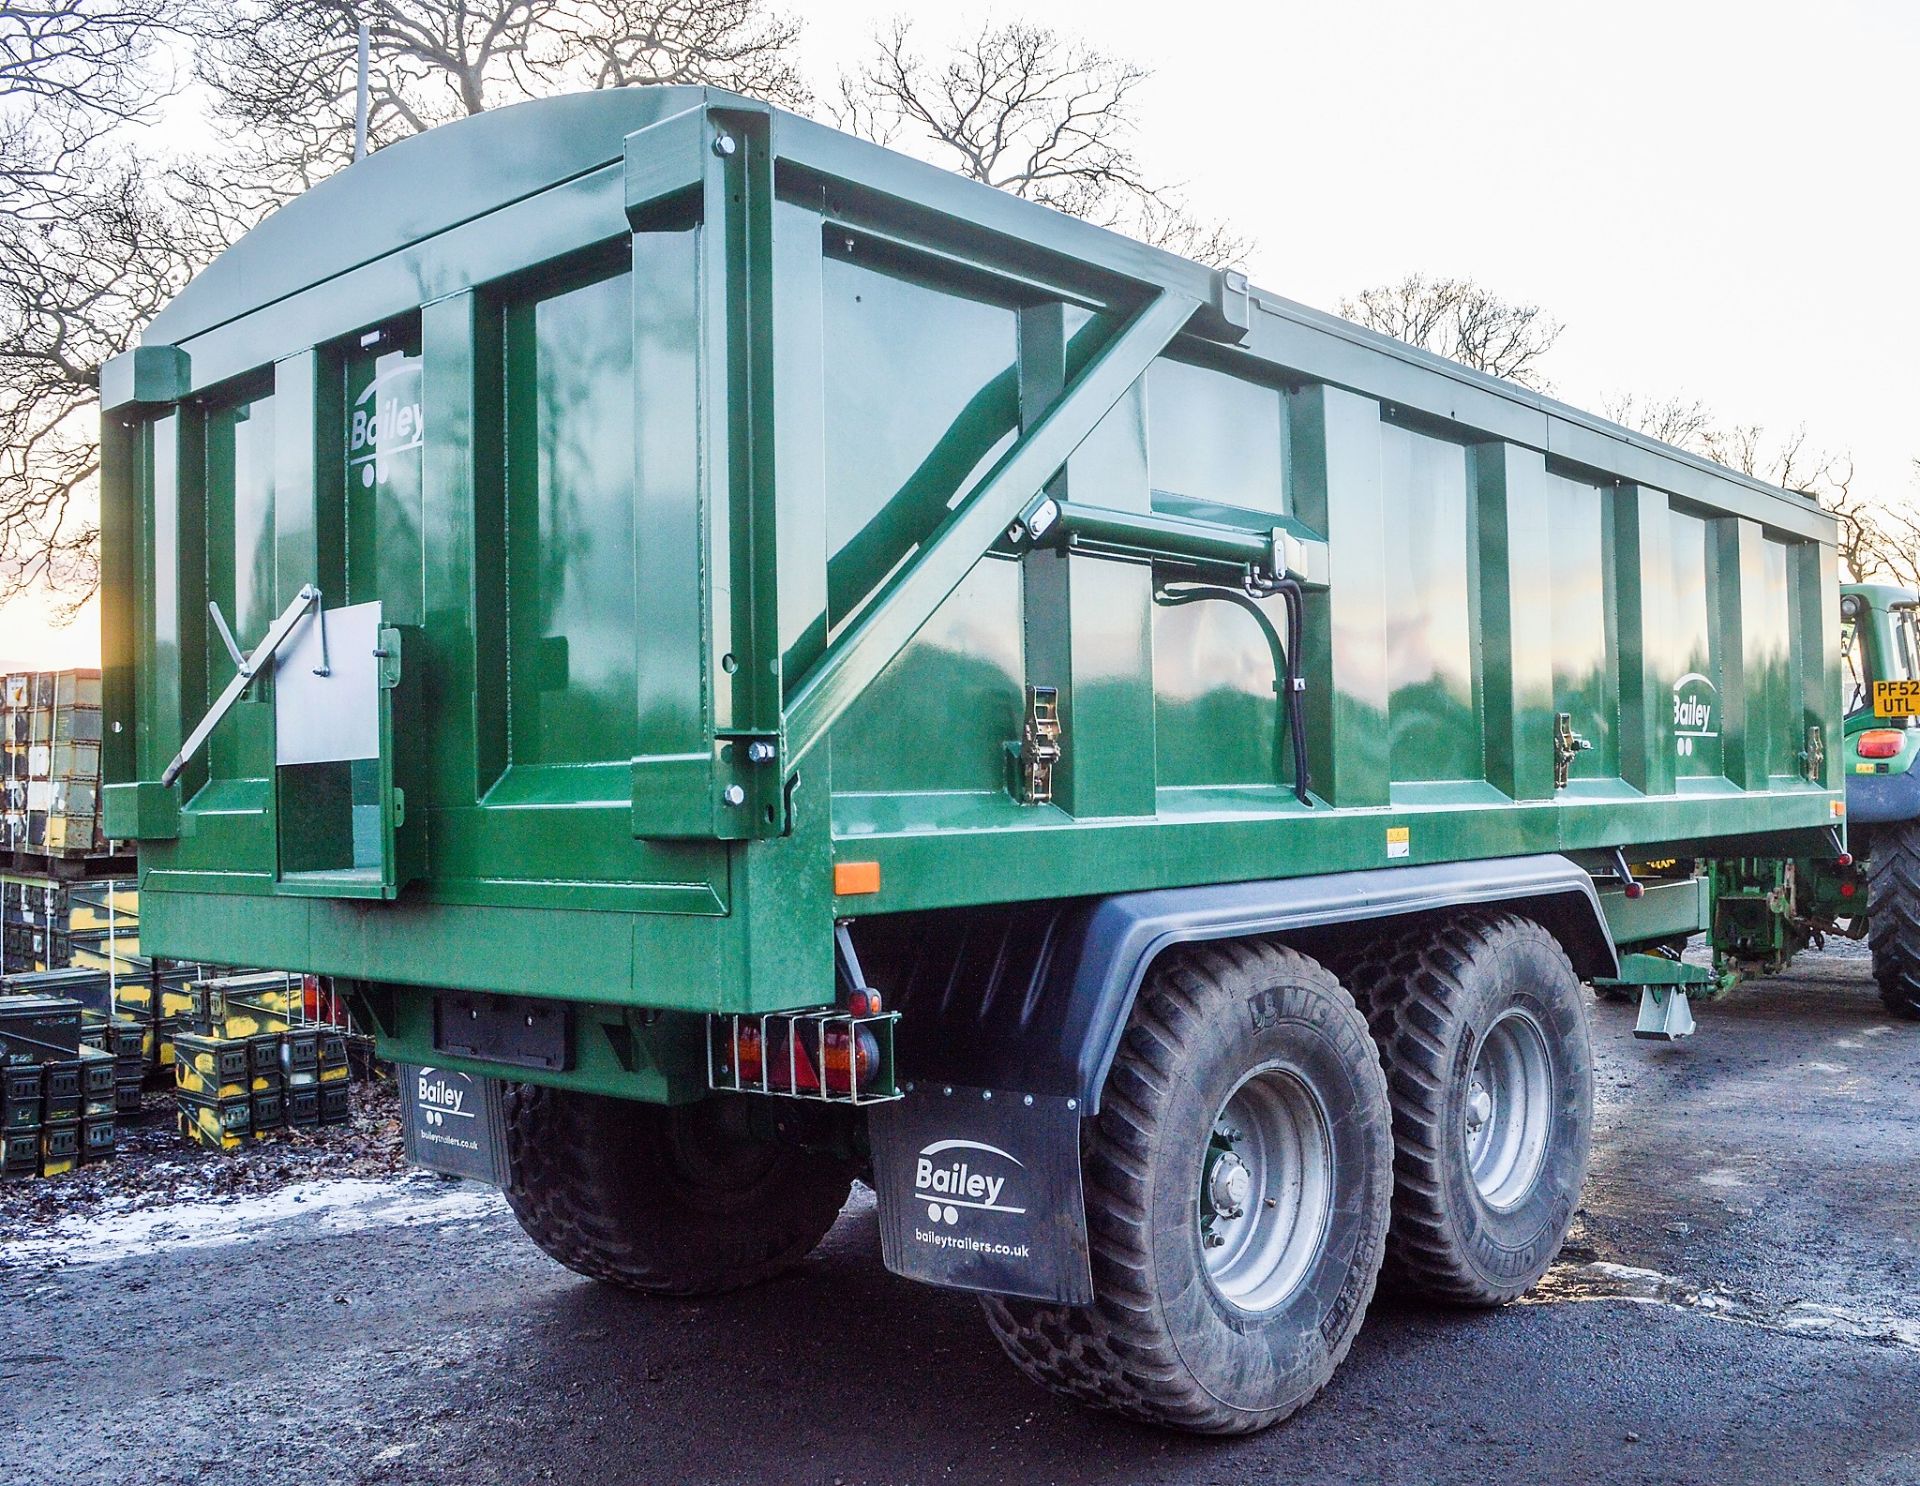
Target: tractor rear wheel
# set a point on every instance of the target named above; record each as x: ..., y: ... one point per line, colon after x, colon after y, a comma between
x: 680, y: 1200
x: 1482, y: 1029
x: 1237, y: 1183
x: 1893, y: 916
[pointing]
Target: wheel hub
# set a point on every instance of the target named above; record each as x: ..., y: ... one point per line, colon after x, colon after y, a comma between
x: 1507, y: 1114
x: 1230, y: 1185
x: 1479, y: 1105
x: 1266, y: 1189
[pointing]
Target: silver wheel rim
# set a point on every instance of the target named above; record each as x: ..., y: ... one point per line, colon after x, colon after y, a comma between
x: 1509, y: 1109
x: 1266, y: 1189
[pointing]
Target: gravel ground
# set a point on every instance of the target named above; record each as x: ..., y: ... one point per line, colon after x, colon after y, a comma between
x: 1737, y: 1304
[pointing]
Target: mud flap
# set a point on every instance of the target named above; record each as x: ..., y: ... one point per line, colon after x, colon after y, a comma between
x: 454, y: 1123
x: 980, y: 1190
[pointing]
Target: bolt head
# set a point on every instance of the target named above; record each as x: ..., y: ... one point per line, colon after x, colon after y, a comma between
x: 723, y: 145
x: 734, y: 795
x: 760, y: 752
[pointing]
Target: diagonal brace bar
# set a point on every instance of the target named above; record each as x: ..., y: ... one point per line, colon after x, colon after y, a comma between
x: 909, y: 599
x: 307, y: 599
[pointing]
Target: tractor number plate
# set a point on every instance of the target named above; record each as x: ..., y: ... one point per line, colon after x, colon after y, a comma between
x: 1896, y: 699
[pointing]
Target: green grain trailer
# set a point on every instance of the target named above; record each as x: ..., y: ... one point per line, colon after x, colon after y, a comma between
x: 756, y: 660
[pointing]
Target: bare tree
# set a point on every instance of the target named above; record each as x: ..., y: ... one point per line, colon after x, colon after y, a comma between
x: 88, y: 251
x: 89, y: 54
x: 283, y: 72
x: 1681, y: 421
x: 1021, y: 107
x: 1459, y: 319
x: 96, y: 237
x: 1878, y: 537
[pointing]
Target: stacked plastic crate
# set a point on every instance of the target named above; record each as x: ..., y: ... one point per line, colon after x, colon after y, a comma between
x: 56, y: 714
x: 56, y: 1088
x: 249, y: 1065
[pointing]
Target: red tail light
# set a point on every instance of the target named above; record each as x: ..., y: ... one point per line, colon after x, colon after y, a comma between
x: 1878, y: 743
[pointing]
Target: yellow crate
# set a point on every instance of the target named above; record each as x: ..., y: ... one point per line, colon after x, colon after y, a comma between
x: 59, y: 1148
x: 118, y: 908
x: 243, y: 1022
x: 210, y: 1067
x: 134, y: 997
x: 212, y: 1125
x: 95, y: 957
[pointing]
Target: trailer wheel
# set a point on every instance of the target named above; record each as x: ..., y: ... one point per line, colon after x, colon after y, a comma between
x: 674, y: 1201
x: 1482, y: 1029
x: 1893, y: 916
x: 1237, y: 1182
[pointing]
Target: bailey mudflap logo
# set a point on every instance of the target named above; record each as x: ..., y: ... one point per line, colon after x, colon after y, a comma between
x: 953, y: 1177
x: 440, y: 1098
x: 1696, y: 713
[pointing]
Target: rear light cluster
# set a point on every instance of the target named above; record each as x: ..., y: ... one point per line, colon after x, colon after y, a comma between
x: 1879, y: 743
x: 841, y: 1056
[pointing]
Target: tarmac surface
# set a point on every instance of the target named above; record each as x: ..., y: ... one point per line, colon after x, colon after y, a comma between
x: 1737, y: 1303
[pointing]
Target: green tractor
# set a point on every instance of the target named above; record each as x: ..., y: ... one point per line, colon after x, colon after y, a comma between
x: 1766, y: 910
x: 1881, y: 651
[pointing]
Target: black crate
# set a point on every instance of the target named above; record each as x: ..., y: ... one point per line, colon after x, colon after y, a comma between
x: 98, y: 1070
x: 98, y: 1136
x: 336, y: 1104
x: 126, y: 1097
x: 60, y: 1091
x: 93, y: 989
x: 36, y: 1029
x: 20, y: 1152
x: 264, y: 1051
x: 59, y: 1147
x: 300, y: 1050
x: 269, y: 1112
x: 19, y: 1097
x: 303, y: 1108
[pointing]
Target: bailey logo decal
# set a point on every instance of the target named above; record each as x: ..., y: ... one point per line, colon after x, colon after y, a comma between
x: 440, y: 1098
x: 1696, y: 713
x: 955, y: 1175
x: 387, y: 419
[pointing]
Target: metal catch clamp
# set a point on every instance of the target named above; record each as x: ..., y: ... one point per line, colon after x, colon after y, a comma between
x: 1813, y: 758
x: 1040, y: 745
x: 1566, y: 745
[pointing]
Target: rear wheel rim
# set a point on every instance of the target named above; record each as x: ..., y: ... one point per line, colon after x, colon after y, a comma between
x: 1266, y: 1189
x: 1507, y: 1121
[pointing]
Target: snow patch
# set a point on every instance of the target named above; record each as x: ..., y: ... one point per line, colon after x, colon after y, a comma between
x: 1603, y: 1281
x: 346, y: 1205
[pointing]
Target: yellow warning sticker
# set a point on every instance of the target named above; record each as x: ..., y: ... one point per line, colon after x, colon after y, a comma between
x: 1399, y: 841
